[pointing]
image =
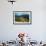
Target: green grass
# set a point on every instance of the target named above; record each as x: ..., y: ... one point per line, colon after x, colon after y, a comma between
x: 21, y: 19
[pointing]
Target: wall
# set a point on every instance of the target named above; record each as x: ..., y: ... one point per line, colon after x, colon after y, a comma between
x: 9, y: 31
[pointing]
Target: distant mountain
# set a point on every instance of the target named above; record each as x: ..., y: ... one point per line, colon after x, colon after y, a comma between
x: 23, y: 15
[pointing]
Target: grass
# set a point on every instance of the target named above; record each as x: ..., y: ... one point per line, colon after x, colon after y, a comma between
x: 21, y: 19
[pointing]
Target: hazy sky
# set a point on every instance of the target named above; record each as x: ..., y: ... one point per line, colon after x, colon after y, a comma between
x: 20, y: 13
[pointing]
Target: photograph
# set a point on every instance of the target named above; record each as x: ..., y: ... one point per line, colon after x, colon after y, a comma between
x: 22, y: 17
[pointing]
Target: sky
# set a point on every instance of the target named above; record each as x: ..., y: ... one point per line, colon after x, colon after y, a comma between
x: 20, y: 13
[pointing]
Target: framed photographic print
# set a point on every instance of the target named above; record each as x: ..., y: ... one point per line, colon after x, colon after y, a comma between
x: 22, y: 17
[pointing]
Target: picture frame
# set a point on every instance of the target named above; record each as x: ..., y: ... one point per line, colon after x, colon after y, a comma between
x: 22, y: 17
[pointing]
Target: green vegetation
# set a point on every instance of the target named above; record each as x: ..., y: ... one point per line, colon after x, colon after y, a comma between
x: 21, y: 19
